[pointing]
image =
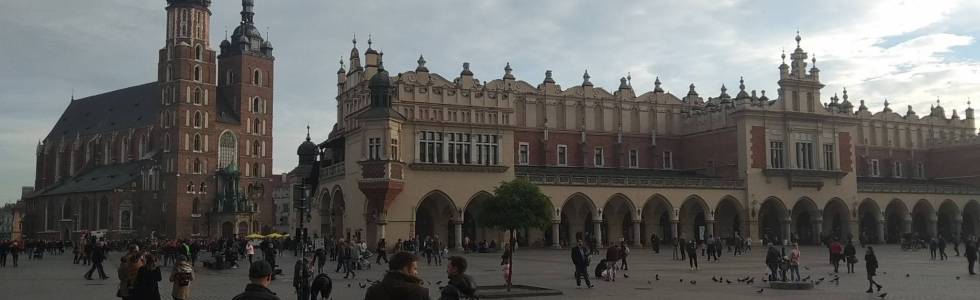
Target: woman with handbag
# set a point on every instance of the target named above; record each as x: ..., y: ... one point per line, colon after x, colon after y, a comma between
x: 850, y: 256
x: 871, y: 264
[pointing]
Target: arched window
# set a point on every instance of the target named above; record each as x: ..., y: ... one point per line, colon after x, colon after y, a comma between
x: 197, y: 166
x: 197, y: 73
x: 166, y: 142
x: 170, y: 72
x: 198, y: 119
x: 256, y: 104
x: 197, y: 142
x: 229, y: 77
x: 256, y: 148
x: 198, y: 52
x: 190, y: 187
x: 257, y: 126
x: 197, y: 96
x: 257, y: 77
x: 227, y: 149
x: 255, y: 170
x: 124, y: 150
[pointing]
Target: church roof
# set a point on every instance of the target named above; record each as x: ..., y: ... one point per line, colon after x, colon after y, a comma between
x: 102, y: 178
x: 131, y: 107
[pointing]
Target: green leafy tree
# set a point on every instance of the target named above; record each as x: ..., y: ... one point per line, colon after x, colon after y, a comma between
x: 516, y: 205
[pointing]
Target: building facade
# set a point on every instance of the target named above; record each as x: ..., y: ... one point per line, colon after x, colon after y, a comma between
x: 187, y: 155
x: 414, y: 155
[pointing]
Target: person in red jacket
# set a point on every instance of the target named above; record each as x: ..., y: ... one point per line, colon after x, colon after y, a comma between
x: 836, y: 253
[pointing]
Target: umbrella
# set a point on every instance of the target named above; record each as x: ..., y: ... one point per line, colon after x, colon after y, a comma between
x: 254, y: 236
x: 274, y: 235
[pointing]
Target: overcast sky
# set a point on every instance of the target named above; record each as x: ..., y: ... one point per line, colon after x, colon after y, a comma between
x: 910, y: 52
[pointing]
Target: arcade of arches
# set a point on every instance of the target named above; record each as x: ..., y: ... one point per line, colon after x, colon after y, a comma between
x: 635, y: 221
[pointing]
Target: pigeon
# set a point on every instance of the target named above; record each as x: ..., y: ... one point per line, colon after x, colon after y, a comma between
x: 657, y: 277
x: 682, y: 280
x: 728, y: 281
x: 820, y: 279
x: 626, y: 275
x: 907, y: 275
x: 649, y: 282
x: 362, y: 285
x: 764, y: 280
x: 428, y: 282
x: 348, y: 285
x: 807, y: 278
x: 715, y: 279
x: 750, y: 281
x: 882, y: 296
x: 439, y: 282
x: 693, y: 282
x: 760, y: 291
x: 806, y: 268
x: 957, y: 278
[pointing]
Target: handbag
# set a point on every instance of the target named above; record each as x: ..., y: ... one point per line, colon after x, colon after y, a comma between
x: 852, y: 259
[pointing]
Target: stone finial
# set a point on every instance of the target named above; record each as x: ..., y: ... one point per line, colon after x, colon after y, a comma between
x: 741, y: 83
x: 547, y: 77
x: 421, y: 67
x: 585, y: 79
x: 692, y: 92
x: 507, y: 72
x: 798, y: 39
x: 622, y: 83
x: 656, y: 86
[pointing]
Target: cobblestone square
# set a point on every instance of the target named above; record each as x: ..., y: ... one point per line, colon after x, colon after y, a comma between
x: 56, y: 277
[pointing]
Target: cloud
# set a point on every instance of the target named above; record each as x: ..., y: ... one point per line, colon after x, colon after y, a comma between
x: 908, y: 51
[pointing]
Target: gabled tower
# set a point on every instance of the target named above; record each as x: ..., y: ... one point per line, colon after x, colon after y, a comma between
x: 186, y: 76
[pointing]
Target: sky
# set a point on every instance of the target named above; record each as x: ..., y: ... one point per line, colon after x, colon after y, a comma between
x: 909, y: 52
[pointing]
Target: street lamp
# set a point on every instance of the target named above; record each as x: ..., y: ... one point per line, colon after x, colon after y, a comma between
x: 301, y: 205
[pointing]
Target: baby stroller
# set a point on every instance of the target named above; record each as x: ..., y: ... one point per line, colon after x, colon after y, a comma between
x: 364, y: 262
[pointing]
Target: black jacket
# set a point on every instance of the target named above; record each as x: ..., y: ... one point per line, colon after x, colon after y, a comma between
x: 459, y: 287
x: 397, y: 286
x: 579, y: 257
x: 773, y: 256
x: 147, y: 284
x: 971, y: 251
x: 256, y: 292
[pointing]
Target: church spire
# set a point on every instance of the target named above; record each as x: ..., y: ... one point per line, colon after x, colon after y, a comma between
x: 247, y: 13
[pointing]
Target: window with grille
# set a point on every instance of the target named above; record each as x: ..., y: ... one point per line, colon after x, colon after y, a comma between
x: 875, y: 168
x: 634, y: 158
x: 829, y: 162
x: 562, y: 155
x: 668, y: 160
x: 599, y: 159
x: 776, y: 154
x: 374, y: 148
x: 522, y: 153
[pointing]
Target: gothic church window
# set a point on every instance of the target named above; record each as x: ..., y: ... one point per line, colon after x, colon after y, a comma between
x: 198, y: 52
x: 197, y: 96
x: 198, y: 119
x: 197, y: 73
x: 257, y: 77
x: 197, y: 143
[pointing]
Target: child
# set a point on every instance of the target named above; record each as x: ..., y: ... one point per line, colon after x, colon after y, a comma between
x: 182, y: 276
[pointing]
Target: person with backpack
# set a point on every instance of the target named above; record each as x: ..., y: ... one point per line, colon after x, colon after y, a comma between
x: 181, y: 277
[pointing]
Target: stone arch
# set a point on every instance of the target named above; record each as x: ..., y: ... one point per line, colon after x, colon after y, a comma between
x: 870, y: 229
x: 227, y: 230
x: 971, y: 219
x: 325, y: 211
x: 772, y: 221
x: 434, y: 217
x: 729, y: 218
x: 924, y: 219
x: 577, y: 213
x: 836, y: 220
x: 472, y: 227
x: 242, y: 229
x: 657, y: 216
x: 807, y: 221
x: 617, y: 219
x: 948, y: 220
x: 692, y: 219
x: 898, y: 221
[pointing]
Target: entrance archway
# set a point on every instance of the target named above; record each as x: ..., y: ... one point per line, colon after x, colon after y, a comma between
x: 806, y: 219
x: 227, y: 230
x: 338, y: 210
x: 617, y: 220
x: 896, y: 214
x: 971, y: 218
x: 868, y: 226
x: 577, y: 215
x: 729, y: 216
x: 836, y: 220
x: 325, y: 217
x: 923, y: 219
x: 434, y: 216
x: 772, y: 215
x: 947, y: 224
x: 692, y: 224
x: 656, y: 215
x: 472, y: 228
x: 242, y: 228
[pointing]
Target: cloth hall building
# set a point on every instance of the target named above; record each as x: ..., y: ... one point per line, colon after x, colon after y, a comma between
x: 416, y: 154
x: 187, y: 155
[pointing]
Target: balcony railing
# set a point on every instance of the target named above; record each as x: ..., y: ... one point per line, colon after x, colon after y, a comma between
x: 923, y: 187
x: 334, y: 170
x: 584, y: 177
x: 382, y: 170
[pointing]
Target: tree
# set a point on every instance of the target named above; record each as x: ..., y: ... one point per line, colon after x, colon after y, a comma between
x: 515, y: 205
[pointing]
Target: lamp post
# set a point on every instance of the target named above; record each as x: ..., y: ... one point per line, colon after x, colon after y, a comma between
x: 301, y: 205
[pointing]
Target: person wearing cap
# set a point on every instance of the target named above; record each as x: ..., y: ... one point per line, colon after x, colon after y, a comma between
x: 259, y: 276
x: 401, y: 282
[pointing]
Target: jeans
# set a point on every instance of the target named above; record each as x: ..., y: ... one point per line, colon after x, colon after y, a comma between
x: 772, y: 271
x: 794, y: 272
x: 693, y: 261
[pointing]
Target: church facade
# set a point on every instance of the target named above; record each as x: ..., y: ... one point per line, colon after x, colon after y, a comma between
x: 187, y: 155
x: 415, y: 155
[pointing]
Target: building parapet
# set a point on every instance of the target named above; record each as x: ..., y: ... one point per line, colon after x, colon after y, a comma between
x: 634, y: 178
x: 915, y: 187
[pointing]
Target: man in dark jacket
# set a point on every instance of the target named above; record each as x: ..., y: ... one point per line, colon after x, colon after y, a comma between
x: 460, y: 286
x: 971, y: 254
x: 98, y: 256
x: 259, y: 276
x: 772, y: 261
x: 581, y: 261
x: 401, y: 282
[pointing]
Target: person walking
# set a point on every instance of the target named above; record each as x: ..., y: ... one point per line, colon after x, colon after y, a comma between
x: 772, y: 261
x: 871, y: 264
x: 933, y: 246
x: 942, y: 248
x: 127, y: 272
x: 624, y: 251
x: 655, y: 243
x: 249, y: 251
x: 349, y: 260
x: 692, y: 255
x: 260, y: 277
x: 505, y: 262
x: 98, y: 256
x: 580, y: 258
x: 836, y: 254
x: 970, y: 249
x: 4, y: 249
x: 794, y: 262
x: 341, y: 250
x: 850, y: 257
x: 382, y: 254
x: 147, y: 279
x: 956, y: 244
x: 460, y: 285
x: 401, y: 282
x: 181, y: 276
x: 15, y: 252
